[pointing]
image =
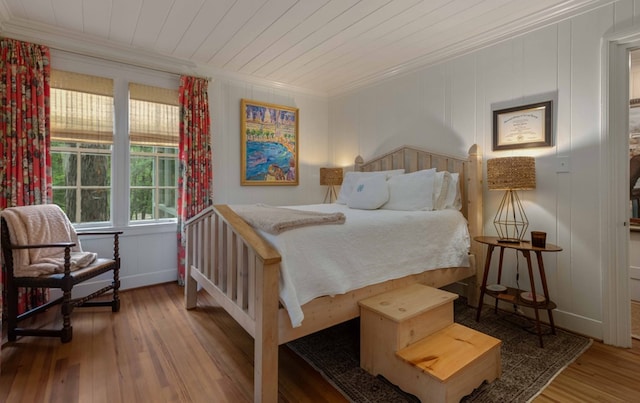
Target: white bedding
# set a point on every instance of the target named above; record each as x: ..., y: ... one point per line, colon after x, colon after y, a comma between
x: 372, y: 246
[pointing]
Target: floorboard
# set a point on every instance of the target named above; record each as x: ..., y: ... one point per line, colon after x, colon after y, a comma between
x: 154, y: 350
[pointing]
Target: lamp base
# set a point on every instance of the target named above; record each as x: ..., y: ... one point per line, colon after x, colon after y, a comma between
x: 331, y: 194
x: 510, y: 221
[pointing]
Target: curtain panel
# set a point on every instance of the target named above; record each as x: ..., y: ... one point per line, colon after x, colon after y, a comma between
x: 195, y: 172
x: 25, y: 160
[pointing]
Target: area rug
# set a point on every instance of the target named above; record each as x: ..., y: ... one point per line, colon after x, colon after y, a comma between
x: 526, y: 368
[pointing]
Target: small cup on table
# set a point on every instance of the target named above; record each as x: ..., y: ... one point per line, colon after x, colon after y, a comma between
x: 538, y: 239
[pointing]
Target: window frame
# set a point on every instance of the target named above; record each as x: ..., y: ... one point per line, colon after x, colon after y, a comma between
x: 122, y: 75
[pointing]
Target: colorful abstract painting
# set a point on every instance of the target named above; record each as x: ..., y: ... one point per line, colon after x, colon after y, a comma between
x: 269, y: 144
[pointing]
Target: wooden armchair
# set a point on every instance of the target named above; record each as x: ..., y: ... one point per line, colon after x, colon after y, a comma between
x: 41, y: 249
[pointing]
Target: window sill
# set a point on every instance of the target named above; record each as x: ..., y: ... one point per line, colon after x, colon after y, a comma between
x: 135, y: 229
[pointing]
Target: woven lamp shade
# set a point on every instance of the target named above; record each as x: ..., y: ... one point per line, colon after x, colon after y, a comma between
x: 331, y: 176
x: 511, y: 173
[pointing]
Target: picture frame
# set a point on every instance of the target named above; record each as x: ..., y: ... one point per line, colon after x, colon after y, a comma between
x: 523, y: 126
x: 269, y: 135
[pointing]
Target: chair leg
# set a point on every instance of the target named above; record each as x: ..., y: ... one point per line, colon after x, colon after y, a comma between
x: 12, y: 312
x: 115, y: 307
x: 66, y: 333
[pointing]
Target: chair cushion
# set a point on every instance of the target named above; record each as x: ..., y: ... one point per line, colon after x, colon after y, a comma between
x: 99, y: 266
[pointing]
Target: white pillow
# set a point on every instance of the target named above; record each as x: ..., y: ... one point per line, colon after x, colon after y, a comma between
x: 351, y: 178
x: 453, y: 194
x: 369, y: 193
x: 441, y: 189
x: 413, y: 191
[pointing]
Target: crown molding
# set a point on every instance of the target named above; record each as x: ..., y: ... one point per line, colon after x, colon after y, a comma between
x: 88, y: 45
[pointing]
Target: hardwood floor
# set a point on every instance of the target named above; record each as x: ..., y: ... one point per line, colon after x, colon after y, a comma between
x: 154, y: 351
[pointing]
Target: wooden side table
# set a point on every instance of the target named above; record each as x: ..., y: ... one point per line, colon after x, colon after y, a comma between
x: 514, y: 295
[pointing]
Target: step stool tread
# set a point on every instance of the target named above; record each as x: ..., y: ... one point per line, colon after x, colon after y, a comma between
x: 407, y: 302
x: 448, y: 351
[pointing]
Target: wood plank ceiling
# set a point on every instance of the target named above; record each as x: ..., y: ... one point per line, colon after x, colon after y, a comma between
x: 325, y: 46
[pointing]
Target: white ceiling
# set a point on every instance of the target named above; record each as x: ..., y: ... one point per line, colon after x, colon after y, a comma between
x: 323, y: 46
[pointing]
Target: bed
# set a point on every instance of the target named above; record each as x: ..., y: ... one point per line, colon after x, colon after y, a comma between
x: 241, y: 269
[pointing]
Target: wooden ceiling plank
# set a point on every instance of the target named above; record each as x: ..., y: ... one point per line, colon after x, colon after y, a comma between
x: 124, y: 19
x: 40, y: 10
x: 181, y: 17
x: 330, y: 47
x: 96, y: 15
x: 151, y: 19
x: 68, y: 14
x: 238, y: 15
x: 269, y: 14
x: 201, y: 27
x: 296, y: 15
x: 317, y: 20
x: 337, y: 24
x: 361, y: 55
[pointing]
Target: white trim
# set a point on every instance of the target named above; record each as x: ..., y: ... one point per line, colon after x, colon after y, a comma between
x: 614, y: 179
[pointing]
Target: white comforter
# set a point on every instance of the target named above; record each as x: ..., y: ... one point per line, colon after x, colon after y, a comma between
x: 372, y: 246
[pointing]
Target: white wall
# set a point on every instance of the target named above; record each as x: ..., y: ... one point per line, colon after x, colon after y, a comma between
x: 448, y: 107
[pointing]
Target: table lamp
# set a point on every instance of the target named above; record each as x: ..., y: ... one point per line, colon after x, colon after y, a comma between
x: 511, y: 174
x: 331, y: 177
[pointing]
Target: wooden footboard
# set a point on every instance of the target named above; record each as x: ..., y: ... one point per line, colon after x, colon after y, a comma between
x: 240, y: 270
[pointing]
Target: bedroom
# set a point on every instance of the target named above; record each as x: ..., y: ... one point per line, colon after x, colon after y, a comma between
x: 560, y: 60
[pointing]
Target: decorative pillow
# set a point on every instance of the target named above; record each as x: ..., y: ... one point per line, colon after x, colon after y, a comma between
x: 412, y: 191
x: 351, y: 178
x: 441, y: 183
x: 369, y: 193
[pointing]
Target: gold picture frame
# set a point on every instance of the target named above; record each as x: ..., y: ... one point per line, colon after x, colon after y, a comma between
x: 269, y: 135
x: 523, y: 126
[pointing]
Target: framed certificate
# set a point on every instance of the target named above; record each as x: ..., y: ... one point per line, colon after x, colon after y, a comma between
x: 522, y: 126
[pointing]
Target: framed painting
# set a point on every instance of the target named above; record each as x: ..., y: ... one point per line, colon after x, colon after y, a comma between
x: 522, y: 126
x: 269, y: 144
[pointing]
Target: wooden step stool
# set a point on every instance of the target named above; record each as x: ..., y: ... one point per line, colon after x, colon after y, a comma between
x: 451, y: 363
x: 408, y: 336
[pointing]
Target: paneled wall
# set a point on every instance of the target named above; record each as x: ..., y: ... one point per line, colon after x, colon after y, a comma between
x: 448, y: 107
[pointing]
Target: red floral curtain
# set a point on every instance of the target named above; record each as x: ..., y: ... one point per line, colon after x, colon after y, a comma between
x: 195, y: 177
x: 25, y: 162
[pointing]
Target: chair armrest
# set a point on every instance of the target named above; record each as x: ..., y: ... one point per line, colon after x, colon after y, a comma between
x: 100, y: 233
x: 45, y: 245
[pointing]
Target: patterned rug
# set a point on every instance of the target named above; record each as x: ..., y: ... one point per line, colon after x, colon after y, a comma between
x: 526, y: 368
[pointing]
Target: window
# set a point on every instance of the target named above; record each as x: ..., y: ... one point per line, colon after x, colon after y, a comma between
x: 153, y: 131
x: 86, y: 150
x: 82, y: 118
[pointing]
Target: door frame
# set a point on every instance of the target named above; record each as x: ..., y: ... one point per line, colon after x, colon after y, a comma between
x: 614, y: 191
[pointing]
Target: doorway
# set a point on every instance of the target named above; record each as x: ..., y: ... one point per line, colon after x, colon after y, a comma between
x: 634, y: 190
